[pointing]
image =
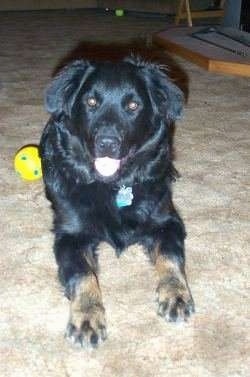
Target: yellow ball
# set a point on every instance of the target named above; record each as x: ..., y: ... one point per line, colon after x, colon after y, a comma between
x: 27, y: 163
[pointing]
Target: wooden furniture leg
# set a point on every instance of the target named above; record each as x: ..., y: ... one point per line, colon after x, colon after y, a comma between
x: 188, y: 11
x: 184, y: 8
x: 179, y: 12
x: 184, y: 12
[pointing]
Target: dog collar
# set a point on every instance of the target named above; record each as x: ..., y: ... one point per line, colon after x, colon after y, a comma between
x: 124, y: 197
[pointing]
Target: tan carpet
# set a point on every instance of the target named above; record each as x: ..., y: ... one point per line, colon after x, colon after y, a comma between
x: 212, y: 148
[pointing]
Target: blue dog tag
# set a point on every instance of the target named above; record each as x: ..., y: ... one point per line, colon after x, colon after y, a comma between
x: 124, y: 197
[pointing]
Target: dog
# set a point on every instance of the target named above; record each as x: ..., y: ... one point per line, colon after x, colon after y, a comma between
x: 108, y: 170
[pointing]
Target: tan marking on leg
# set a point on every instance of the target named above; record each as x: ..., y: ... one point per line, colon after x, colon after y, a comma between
x: 87, y: 324
x: 173, y: 294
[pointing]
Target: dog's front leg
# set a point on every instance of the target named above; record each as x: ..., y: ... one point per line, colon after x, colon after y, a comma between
x: 175, y: 302
x: 78, y: 273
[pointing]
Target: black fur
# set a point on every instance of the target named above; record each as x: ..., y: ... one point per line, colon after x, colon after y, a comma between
x: 85, y: 210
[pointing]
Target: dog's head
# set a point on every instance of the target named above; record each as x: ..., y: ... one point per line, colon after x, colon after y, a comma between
x: 116, y: 111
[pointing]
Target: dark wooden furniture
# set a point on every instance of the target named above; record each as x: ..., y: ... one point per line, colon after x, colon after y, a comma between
x: 213, y: 58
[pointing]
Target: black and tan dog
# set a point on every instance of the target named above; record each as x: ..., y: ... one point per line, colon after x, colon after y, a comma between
x: 108, y: 171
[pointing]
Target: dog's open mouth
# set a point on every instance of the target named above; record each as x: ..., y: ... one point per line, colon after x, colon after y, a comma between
x: 107, y: 166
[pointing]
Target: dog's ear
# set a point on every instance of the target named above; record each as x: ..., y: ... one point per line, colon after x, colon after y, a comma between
x: 166, y: 97
x: 64, y: 88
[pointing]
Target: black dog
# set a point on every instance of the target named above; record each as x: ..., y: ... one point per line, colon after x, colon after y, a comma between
x: 107, y: 170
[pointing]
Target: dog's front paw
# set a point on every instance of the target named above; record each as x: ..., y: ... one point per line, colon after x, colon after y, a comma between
x: 87, y: 324
x: 87, y: 327
x: 175, y: 302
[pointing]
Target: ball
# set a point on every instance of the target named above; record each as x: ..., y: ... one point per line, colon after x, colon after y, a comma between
x: 27, y: 163
x: 119, y: 12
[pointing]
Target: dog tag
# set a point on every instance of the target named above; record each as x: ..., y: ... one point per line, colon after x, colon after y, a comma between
x: 124, y: 197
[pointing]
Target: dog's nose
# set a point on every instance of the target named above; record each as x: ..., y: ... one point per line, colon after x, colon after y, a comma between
x: 107, y: 145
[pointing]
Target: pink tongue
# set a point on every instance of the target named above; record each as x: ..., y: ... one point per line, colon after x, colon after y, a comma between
x: 107, y: 166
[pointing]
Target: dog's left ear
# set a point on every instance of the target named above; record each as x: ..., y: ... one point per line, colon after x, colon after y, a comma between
x: 166, y: 97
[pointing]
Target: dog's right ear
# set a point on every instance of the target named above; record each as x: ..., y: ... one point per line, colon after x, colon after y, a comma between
x: 64, y: 88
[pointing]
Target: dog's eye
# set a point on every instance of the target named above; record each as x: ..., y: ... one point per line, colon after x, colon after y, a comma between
x: 132, y: 105
x: 92, y: 102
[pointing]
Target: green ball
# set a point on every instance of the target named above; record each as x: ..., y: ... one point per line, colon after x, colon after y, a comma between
x: 119, y: 12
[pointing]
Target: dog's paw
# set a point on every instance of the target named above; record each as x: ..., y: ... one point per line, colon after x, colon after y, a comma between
x: 87, y: 324
x: 87, y: 327
x: 175, y: 302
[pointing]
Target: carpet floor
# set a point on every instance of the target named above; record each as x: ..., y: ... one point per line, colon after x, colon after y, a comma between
x: 213, y: 156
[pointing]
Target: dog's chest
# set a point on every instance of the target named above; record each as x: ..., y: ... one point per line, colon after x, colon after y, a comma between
x: 107, y: 204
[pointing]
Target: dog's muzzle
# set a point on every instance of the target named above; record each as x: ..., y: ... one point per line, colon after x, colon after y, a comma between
x: 107, y: 146
x: 107, y: 152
